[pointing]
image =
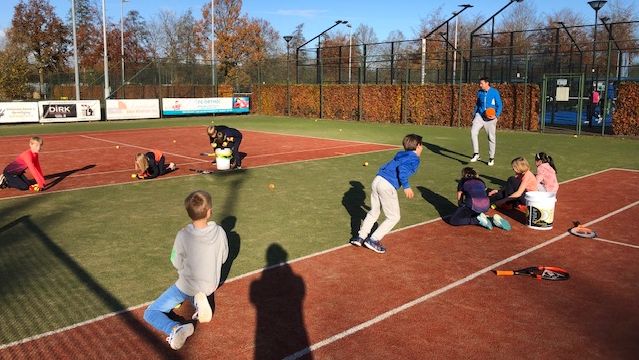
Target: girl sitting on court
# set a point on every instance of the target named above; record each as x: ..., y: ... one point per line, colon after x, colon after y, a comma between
x: 151, y: 165
x: 473, y: 203
x: 546, y: 173
x: 13, y: 175
x: 221, y: 136
x: 516, y: 186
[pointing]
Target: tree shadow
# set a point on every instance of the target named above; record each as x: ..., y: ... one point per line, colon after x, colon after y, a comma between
x: 445, y: 153
x: 109, y: 300
x: 278, y: 297
x: 443, y: 206
x: 228, y: 224
x: 62, y: 175
x: 353, y: 201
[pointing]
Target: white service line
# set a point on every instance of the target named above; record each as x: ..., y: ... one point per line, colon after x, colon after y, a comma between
x: 142, y: 147
x: 432, y: 294
x: 615, y: 242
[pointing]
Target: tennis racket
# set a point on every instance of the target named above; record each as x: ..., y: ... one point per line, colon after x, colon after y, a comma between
x: 200, y: 171
x: 207, y: 154
x: 552, y: 273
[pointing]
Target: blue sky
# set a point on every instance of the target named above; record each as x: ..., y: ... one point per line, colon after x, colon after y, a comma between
x: 383, y: 15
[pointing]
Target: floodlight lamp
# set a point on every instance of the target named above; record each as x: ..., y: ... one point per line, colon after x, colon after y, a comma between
x: 598, y: 4
x: 465, y: 6
x: 288, y: 38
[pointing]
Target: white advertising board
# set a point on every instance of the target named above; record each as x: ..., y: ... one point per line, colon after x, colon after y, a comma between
x: 194, y: 106
x: 69, y: 111
x: 132, y: 109
x: 18, y: 112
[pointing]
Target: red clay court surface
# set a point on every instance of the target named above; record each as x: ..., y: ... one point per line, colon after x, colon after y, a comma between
x: 78, y: 160
x: 430, y: 296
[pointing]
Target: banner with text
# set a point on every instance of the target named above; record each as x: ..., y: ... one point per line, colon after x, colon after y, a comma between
x: 132, y: 109
x: 18, y: 112
x: 197, y: 106
x: 68, y: 111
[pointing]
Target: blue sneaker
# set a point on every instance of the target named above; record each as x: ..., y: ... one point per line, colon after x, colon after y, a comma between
x: 483, y: 221
x: 501, y: 223
x: 375, y: 246
x: 357, y: 241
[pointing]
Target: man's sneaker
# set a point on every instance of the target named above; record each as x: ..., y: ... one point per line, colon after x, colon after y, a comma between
x: 203, y: 312
x: 179, y: 335
x: 475, y: 158
x: 357, y: 241
x: 3, y: 181
x: 374, y: 245
x: 491, y: 162
x: 501, y: 223
x: 483, y: 221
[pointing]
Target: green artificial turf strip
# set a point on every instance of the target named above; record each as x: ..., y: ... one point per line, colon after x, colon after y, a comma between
x: 80, y: 254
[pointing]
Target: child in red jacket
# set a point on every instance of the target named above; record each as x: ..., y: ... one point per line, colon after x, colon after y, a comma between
x: 13, y: 175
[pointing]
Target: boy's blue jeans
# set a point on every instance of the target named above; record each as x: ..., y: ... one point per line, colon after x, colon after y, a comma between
x: 157, y: 313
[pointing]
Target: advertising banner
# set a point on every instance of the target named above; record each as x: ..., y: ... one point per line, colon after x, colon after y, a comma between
x: 198, y: 106
x: 69, y: 111
x: 18, y: 112
x: 132, y: 109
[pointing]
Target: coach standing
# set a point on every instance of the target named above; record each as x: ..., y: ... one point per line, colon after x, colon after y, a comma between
x: 487, y: 111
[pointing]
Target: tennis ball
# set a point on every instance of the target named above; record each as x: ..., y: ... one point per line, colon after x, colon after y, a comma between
x: 271, y: 186
x: 574, y: 135
x: 117, y: 146
x: 174, y: 141
x: 178, y: 306
x: 340, y: 129
x: 365, y: 163
x: 134, y: 176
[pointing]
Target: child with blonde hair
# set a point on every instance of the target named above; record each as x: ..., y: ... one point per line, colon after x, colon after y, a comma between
x: 546, y: 173
x: 13, y: 174
x: 199, y: 251
x: 151, y: 164
x: 516, y: 186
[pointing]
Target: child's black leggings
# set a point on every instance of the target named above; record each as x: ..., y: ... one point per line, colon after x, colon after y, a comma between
x: 512, y: 184
x: 17, y: 181
x: 464, y: 216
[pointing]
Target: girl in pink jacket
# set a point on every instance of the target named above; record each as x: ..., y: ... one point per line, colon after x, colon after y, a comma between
x: 546, y: 173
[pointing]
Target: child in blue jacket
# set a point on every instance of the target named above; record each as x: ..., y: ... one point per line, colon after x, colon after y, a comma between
x: 390, y: 177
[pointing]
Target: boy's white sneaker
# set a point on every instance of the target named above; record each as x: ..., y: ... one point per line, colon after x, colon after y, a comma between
x: 203, y: 312
x: 475, y: 158
x: 179, y: 335
x: 491, y: 162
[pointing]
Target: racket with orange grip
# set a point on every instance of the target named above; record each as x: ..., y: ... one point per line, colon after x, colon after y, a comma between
x: 552, y: 273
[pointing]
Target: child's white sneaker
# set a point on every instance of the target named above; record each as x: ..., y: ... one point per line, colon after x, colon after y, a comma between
x: 171, y: 166
x: 203, y: 312
x: 483, y: 221
x: 502, y: 223
x: 179, y: 335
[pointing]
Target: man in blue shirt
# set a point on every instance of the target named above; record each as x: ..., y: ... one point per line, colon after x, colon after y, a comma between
x: 487, y: 110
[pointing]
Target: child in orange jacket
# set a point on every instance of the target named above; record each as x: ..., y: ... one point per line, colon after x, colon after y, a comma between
x: 13, y: 175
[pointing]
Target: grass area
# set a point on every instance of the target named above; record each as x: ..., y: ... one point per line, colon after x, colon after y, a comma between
x: 75, y: 255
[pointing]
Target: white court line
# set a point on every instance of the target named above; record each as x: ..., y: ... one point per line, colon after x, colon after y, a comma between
x: 142, y: 147
x: 63, y: 151
x: 410, y: 304
x: 615, y: 242
x: 317, y: 149
x: 105, y: 316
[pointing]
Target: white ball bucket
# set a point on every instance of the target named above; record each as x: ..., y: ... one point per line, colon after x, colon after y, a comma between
x: 223, y: 158
x: 541, y: 209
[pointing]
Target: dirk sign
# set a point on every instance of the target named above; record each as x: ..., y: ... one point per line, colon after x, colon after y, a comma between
x: 59, y: 111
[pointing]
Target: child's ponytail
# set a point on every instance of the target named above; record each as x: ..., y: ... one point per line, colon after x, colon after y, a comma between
x: 545, y: 159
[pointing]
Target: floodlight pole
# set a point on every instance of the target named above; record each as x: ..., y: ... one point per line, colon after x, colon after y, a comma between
x: 297, y: 50
x: 122, y: 38
x: 595, y: 5
x: 288, y: 39
x: 581, y: 53
x: 214, y: 89
x: 472, y: 36
x: 75, y: 53
x: 105, y: 54
x: 350, y: 51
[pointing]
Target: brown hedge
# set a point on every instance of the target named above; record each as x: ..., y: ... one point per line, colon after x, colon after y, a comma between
x: 625, y: 119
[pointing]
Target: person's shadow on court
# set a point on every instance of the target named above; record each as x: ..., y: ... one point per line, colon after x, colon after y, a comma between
x: 445, y: 153
x: 278, y: 297
x: 228, y: 224
x: 353, y: 201
x: 58, y: 177
x: 443, y: 206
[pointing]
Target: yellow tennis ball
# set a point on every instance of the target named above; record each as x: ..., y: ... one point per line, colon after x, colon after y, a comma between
x: 340, y: 129
x: 178, y: 306
x: 365, y: 163
x: 174, y: 141
x: 134, y: 176
x: 271, y: 186
x: 574, y: 135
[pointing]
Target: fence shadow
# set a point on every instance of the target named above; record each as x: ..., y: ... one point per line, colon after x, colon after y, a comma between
x: 278, y: 297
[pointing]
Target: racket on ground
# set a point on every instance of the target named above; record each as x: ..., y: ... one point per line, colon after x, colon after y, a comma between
x: 200, y: 171
x: 583, y: 232
x: 552, y: 273
x: 207, y: 154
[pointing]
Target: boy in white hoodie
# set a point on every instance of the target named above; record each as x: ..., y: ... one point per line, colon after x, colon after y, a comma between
x: 199, y: 251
